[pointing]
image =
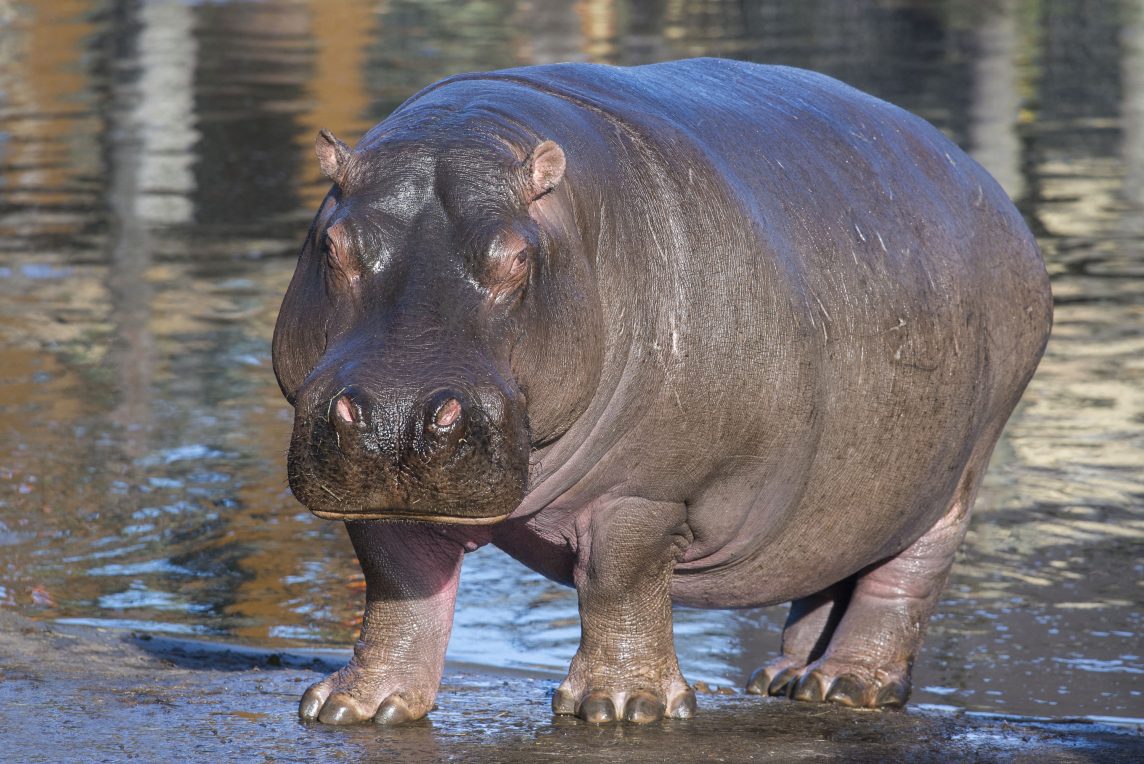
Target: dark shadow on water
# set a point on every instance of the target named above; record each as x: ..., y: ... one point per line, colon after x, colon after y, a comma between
x: 218, y: 656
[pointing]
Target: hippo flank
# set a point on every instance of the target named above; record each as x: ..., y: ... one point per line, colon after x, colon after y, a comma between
x: 703, y: 332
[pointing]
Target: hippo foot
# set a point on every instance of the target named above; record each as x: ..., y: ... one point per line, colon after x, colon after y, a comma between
x: 354, y: 695
x: 833, y: 681
x: 639, y: 703
x: 776, y: 678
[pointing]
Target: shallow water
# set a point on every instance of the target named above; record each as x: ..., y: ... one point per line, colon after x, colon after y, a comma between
x: 156, y: 180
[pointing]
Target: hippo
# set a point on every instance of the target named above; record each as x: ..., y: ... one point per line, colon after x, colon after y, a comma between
x: 702, y: 332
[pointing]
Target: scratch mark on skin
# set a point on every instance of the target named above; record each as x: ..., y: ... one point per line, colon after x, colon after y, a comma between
x: 334, y: 397
x: 879, y: 235
x: 330, y: 408
x: 825, y: 314
x: 822, y: 308
x: 929, y: 277
x: 327, y: 490
x: 658, y: 248
x: 901, y: 325
x: 861, y: 235
x: 600, y: 230
x: 854, y: 255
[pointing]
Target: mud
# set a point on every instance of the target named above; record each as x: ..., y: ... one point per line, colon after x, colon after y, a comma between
x: 75, y: 693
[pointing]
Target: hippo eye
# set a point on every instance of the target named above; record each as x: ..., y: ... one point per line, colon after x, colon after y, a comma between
x: 510, y: 275
x: 337, y: 261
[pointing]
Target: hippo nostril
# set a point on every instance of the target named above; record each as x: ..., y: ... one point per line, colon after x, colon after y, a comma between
x: 444, y: 412
x: 447, y: 413
x: 345, y: 410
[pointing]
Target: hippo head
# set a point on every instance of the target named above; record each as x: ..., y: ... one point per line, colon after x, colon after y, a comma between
x: 440, y: 308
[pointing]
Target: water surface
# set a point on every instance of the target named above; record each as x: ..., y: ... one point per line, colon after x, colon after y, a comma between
x: 156, y: 180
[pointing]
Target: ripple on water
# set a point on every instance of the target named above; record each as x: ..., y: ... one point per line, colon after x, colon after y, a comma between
x: 145, y: 567
x: 138, y: 597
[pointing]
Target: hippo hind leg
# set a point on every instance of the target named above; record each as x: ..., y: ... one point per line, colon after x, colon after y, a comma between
x: 871, y: 652
x: 806, y: 635
x: 854, y: 643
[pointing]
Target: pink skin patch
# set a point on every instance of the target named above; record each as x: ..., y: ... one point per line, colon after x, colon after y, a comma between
x: 448, y: 413
x: 345, y: 409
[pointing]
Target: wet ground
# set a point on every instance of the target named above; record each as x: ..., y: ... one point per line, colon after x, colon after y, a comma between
x: 156, y: 180
x: 93, y: 695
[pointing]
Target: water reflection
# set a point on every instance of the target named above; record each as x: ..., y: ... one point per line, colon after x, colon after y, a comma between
x: 157, y: 177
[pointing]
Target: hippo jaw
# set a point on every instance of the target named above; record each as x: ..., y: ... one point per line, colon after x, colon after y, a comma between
x: 489, y: 501
x: 411, y: 517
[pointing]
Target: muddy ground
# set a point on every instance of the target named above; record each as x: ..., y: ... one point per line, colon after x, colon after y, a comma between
x: 71, y: 693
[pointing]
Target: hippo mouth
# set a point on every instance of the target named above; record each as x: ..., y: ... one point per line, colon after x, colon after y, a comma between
x: 449, y: 456
x: 410, y: 517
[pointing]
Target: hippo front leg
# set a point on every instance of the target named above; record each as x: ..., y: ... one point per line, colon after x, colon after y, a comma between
x: 411, y: 575
x: 626, y: 668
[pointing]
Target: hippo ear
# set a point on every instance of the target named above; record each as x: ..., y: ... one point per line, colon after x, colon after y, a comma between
x: 333, y: 155
x: 544, y: 169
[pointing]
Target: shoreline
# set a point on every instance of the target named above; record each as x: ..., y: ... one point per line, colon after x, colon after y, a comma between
x: 82, y: 693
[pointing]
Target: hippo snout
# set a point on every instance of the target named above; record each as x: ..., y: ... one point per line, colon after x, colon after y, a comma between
x: 453, y: 453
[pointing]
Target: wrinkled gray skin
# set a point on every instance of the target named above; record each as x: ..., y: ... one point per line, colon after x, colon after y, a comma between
x: 703, y: 332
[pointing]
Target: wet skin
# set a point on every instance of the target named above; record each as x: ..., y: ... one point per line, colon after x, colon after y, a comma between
x: 705, y: 332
